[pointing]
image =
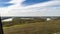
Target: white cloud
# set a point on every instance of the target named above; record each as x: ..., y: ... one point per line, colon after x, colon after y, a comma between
x: 44, y: 9
x: 5, y: 10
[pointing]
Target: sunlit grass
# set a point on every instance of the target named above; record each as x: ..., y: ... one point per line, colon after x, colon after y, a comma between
x: 47, y: 27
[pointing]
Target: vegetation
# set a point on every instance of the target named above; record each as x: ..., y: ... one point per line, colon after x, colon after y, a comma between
x: 33, y: 26
x: 17, y: 21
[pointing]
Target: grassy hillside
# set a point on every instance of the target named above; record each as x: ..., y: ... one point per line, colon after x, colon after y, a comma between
x: 18, y: 21
x: 45, y: 27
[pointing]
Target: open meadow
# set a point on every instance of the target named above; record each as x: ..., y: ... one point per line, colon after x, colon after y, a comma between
x: 31, y: 26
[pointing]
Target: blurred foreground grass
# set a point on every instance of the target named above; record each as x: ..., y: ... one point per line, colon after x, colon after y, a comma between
x: 38, y: 27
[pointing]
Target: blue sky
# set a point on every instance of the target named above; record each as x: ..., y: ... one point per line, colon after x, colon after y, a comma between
x: 31, y: 2
x: 17, y: 7
x: 5, y: 0
x: 4, y: 3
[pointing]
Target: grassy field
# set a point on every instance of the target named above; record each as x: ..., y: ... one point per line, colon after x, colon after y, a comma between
x: 45, y: 27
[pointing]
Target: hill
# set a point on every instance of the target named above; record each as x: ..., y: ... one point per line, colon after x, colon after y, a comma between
x: 45, y: 27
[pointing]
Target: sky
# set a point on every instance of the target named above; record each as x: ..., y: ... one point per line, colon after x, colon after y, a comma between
x: 30, y: 7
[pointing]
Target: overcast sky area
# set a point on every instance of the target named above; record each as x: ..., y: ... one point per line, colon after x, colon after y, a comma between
x: 29, y: 7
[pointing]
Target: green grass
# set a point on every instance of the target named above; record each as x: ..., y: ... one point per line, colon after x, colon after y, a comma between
x: 17, y: 21
x: 34, y: 28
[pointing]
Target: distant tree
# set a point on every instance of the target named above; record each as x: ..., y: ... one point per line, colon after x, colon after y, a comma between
x: 16, y: 21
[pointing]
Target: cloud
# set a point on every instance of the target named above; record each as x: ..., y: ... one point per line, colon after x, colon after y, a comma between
x: 51, y: 8
x: 5, y: 10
